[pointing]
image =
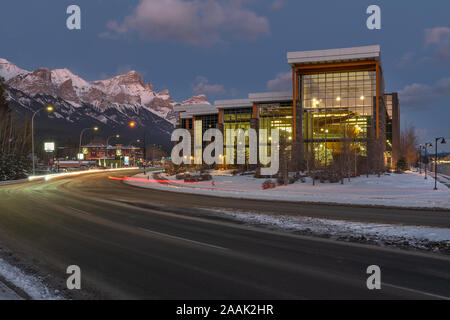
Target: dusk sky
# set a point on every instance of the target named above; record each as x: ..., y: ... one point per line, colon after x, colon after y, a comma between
x: 226, y: 49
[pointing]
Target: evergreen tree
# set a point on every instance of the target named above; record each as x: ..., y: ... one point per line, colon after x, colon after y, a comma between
x: 14, y: 143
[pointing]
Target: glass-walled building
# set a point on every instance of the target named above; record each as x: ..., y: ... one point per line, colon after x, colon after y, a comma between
x: 235, y: 115
x: 339, y: 104
x: 337, y: 108
x: 392, y: 128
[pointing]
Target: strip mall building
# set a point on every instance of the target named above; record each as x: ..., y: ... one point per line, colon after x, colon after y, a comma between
x: 338, y: 103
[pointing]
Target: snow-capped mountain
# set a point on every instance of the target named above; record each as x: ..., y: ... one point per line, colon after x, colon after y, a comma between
x: 109, y: 103
x: 123, y: 91
x: 9, y: 70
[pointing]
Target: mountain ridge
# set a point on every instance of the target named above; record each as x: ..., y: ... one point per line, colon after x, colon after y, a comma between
x: 110, y: 104
x: 127, y: 89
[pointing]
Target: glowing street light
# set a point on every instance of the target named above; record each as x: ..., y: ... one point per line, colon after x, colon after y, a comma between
x: 117, y: 136
x: 49, y: 109
x: 425, y: 147
x: 82, y: 132
x: 132, y: 125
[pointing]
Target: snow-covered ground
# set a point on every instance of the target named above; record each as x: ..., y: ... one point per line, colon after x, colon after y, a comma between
x: 7, y: 294
x: 424, y: 238
x: 32, y: 286
x: 398, y: 190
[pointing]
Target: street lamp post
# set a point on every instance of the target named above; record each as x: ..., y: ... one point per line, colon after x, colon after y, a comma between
x: 420, y: 159
x: 114, y: 136
x: 435, y: 159
x: 428, y: 144
x: 49, y: 109
x: 117, y: 136
x: 82, y: 132
x: 131, y: 144
x: 132, y: 124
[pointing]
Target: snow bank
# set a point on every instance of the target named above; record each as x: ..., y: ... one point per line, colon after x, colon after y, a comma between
x: 426, y: 238
x: 33, y: 286
x: 396, y: 190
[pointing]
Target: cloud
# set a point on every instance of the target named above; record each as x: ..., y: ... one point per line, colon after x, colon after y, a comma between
x: 439, y: 39
x: 195, y: 22
x: 405, y: 60
x: 202, y: 86
x: 437, y: 35
x: 277, y: 5
x: 282, y: 82
x: 421, y: 95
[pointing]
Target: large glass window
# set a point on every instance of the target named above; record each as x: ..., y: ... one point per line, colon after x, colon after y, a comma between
x: 277, y: 116
x: 337, y: 106
x: 206, y: 122
x: 234, y: 119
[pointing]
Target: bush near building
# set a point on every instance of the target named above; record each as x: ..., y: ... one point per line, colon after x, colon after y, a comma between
x: 402, y: 165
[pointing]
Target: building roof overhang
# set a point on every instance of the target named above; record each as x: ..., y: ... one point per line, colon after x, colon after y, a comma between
x: 233, y: 103
x: 270, y: 97
x: 334, y: 55
x: 189, y: 110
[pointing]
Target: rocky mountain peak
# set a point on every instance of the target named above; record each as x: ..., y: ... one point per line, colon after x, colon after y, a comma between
x: 199, y: 99
x: 36, y: 82
x: 124, y: 93
x: 131, y: 77
x: 42, y: 74
x: 67, y: 92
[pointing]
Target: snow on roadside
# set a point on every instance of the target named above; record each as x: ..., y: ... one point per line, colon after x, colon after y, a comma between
x: 33, y: 286
x: 424, y: 238
x: 395, y: 190
x: 7, y: 294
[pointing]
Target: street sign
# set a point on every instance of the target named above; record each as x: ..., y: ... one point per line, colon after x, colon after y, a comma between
x: 49, y: 146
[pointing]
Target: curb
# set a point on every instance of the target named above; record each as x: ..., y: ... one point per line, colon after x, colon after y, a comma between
x: 10, y: 182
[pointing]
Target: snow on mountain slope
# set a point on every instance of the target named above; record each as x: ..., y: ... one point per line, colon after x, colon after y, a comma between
x: 125, y: 93
x: 127, y: 88
x: 37, y: 82
x: 200, y: 99
x: 59, y: 76
x: 9, y: 70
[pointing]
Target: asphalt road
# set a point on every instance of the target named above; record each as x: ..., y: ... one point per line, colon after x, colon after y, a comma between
x: 166, y: 248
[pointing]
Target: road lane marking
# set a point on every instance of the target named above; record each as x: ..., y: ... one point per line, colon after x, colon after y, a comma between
x: 125, y: 203
x: 183, y: 239
x: 80, y: 211
x: 416, y: 291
